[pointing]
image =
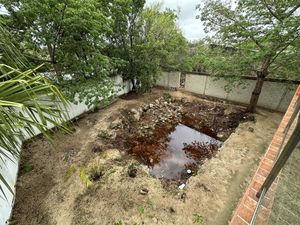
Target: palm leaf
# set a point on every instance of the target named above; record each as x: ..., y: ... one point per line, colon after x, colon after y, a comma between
x: 28, y: 101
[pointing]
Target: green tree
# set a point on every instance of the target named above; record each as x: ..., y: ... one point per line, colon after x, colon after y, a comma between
x: 148, y: 40
x: 86, y: 43
x: 125, y: 30
x: 258, y: 38
x: 159, y: 30
x: 70, y: 35
x: 28, y: 101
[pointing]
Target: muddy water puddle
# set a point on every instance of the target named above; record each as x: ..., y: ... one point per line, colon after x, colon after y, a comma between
x: 174, y: 137
x: 185, y: 149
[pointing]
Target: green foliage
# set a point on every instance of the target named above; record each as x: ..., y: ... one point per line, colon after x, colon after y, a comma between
x: 28, y: 101
x: 84, y: 177
x: 164, y: 37
x: 167, y: 96
x: 141, y: 210
x: 91, y: 174
x: 70, y: 172
x: 132, y: 169
x: 27, y: 167
x: 120, y: 222
x: 148, y: 41
x: 84, y: 44
x: 95, y: 172
x: 69, y: 36
x: 133, y: 165
x: 255, y: 38
x: 198, y: 219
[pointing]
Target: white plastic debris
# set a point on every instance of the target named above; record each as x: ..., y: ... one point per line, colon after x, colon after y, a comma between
x: 181, y: 186
x: 189, y: 171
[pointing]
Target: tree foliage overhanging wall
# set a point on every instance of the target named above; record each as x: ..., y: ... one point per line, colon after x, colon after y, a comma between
x: 252, y: 37
x: 85, y: 43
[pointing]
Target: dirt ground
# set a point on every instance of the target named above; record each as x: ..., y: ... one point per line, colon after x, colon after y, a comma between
x: 83, y: 178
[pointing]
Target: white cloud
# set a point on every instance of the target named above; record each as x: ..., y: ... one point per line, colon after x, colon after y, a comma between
x: 190, y: 26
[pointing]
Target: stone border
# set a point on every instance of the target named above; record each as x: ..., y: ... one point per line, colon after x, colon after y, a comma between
x: 247, y: 204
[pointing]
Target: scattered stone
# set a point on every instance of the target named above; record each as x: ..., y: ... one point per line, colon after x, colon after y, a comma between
x: 145, y: 108
x: 205, y: 187
x: 69, y: 155
x: 183, y: 196
x: 151, y: 105
x: 115, y: 124
x: 132, y: 170
x: 251, y: 129
x: 184, y: 100
x: 155, y: 220
x: 144, y: 191
x: 134, y: 111
x: 136, y: 114
x: 181, y: 186
x: 97, y: 148
x: 107, y: 134
x: 172, y: 210
x: 189, y: 171
x: 220, y: 135
x: 112, y: 154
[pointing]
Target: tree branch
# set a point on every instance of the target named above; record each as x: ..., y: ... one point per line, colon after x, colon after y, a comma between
x: 292, y: 11
x: 271, y: 11
x: 59, y: 28
x: 38, y: 59
x: 245, y: 29
x: 284, y: 48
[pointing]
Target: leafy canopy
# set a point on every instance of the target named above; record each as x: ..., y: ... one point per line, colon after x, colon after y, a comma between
x: 70, y: 36
x: 85, y: 42
x: 148, y: 40
x: 253, y: 37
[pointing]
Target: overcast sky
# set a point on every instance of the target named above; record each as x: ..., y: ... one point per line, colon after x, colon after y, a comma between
x: 191, y: 28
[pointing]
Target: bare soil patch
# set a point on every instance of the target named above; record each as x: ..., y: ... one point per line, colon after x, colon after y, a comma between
x: 88, y: 177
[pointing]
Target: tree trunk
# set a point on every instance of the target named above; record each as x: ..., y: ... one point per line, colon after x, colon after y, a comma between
x: 256, y: 92
x: 133, y: 85
x: 55, y: 65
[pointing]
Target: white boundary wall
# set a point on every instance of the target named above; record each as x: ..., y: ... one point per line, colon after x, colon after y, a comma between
x: 169, y: 79
x: 274, y: 95
x: 10, y: 168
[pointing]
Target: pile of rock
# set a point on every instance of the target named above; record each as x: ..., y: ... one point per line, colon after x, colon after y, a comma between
x: 163, y: 110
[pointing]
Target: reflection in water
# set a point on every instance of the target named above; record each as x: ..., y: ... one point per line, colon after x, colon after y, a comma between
x: 185, y: 148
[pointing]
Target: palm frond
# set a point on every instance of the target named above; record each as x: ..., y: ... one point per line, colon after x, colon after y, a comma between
x: 29, y: 102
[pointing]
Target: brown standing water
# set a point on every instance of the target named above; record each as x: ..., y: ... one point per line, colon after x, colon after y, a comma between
x: 173, y: 137
x: 185, y: 149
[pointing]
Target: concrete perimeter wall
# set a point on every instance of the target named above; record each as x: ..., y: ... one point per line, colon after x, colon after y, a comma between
x: 274, y: 95
x: 9, y: 168
x: 169, y: 79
